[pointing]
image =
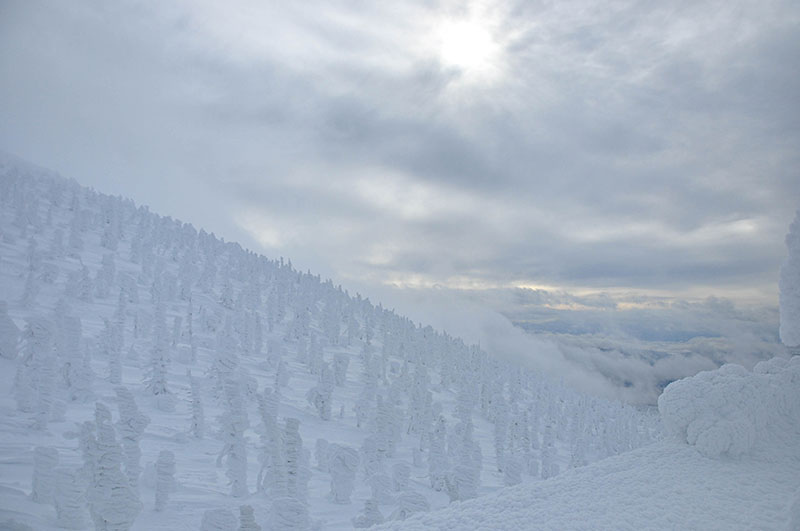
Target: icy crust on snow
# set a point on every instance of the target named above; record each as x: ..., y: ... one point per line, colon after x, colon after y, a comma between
x: 730, y: 411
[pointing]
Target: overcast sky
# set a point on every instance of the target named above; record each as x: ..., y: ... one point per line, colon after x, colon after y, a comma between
x: 625, y: 147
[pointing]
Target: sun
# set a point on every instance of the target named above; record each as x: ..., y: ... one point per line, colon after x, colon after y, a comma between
x: 468, y: 46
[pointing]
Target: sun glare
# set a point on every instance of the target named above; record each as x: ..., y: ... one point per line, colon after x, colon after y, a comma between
x: 468, y: 46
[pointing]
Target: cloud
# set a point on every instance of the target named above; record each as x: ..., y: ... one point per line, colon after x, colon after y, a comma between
x: 623, y: 146
x: 620, y: 346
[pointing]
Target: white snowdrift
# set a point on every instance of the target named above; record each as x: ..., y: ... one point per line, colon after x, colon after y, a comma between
x: 729, y: 411
x: 672, y: 484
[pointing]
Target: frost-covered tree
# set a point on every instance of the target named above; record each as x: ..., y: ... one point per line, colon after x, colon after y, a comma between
x: 289, y: 514
x: 247, y: 519
x: 281, y: 375
x: 370, y: 516
x: 218, y: 520
x: 370, y: 457
x: 409, y: 503
x: 297, y: 473
x: 401, y: 474
x: 198, y: 417
x: 84, y: 287
x: 31, y: 290
x: 75, y: 239
x: 105, y: 277
x: 45, y: 461
x: 226, y: 359
x: 321, y: 454
x: 233, y: 423
x: 463, y: 482
x: 35, y: 378
x: 381, y: 486
x: 321, y: 395
x: 156, y: 381
x: 789, y: 285
x: 70, y: 499
x: 438, y: 466
x: 113, y: 503
x: 549, y: 452
x: 386, y: 425
x: 131, y: 426
x: 500, y: 429
x: 794, y: 512
x: 226, y: 293
x: 340, y: 363
x: 343, y: 464
x: 111, y: 350
x: 272, y: 476
x: 77, y: 370
x: 512, y: 472
x: 165, y: 478
x: 9, y: 334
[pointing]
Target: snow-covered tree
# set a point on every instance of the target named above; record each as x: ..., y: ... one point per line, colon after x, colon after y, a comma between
x: 321, y: 454
x: 343, y: 464
x: 794, y: 512
x: 272, y: 476
x: 512, y: 472
x: 77, y: 371
x: 9, y: 334
x: 381, y: 486
x: 131, y: 426
x: 789, y: 285
x: 297, y: 473
x: 165, y: 478
x: 370, y: 516
x: 408, y: 503
x: 45, y: 461
x: 218, y: 520
x: 321, y: 395
x: 35, y: 378
x: 401, y: 474
x: 70, y: 499
x: 233, y: 424
x: 159, y: 363
x: 111, y: 350
x: 247, y: 519
x: 438, y: 466
x: 198, y: 417
x: 340, y: 363
x: 549, y: 452
x: 289, y: 514
x: 85, y: 289
x: 113, y: 503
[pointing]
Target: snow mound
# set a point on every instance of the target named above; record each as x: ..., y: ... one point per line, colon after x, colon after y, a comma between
x: 732, y: 411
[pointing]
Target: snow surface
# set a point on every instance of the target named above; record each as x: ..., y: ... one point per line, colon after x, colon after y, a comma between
x: 672, y: 484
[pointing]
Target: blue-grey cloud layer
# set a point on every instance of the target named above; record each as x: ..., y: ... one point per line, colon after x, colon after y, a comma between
x: 625, y: 145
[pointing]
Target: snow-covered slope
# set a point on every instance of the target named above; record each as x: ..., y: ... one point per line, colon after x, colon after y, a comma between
x: 305, y: 406
x: 733, y: 462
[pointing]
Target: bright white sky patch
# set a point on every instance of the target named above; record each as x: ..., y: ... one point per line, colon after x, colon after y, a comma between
x: 466, y: 45
x: 469, y: 44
